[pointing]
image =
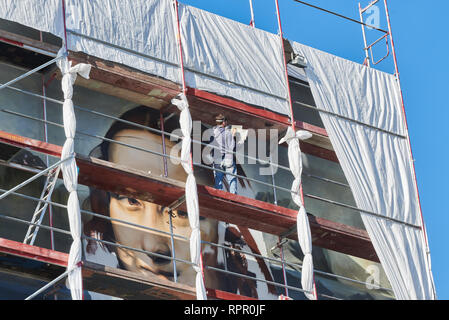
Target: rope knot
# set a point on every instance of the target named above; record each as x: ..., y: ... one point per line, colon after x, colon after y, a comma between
x: 291, y: 135
x: 180, y: 101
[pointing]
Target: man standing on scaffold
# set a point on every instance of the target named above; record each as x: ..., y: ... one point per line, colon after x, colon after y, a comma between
x: 224, y: 146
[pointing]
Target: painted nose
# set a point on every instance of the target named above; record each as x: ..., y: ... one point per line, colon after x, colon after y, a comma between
x: 161, y: 251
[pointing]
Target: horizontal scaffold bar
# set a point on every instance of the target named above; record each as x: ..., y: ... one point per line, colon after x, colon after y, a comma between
x: 139, y: 87
x: 204, y: 106
x: 216, y: 204
x: 273, y: 260
x: 103, y: 279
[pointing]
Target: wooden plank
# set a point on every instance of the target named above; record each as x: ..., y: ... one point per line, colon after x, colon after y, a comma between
x: 125, y: 82
x: 216, y: 204
x: 223, y: 295
x: 204, y: 106
x: 223, y: 206
x: 106, y: 77
x: 204, y: 100
x: 312, y: 149
x: 33, y: 252
x: 133, y: 85
x: 319, y: 138
x: 126, y: 181
x: 28, y: 43
x: 97, y: 278
x: 131, y: 285
x: 278, y: 220
x: 36, y: 145
x: 120, y: 283
x: 142, y: 88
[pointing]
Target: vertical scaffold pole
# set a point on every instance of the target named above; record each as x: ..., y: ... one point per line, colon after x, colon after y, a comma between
x: 409, y: 143
x: 284, y: 272
x: 180, y: 51
x: 185, y: 113
x: 281, y: 37
x: 70, y: 170
x: 403, y: 108
x: 172, y: 240
x: 289, y: 98
x: 47, y: 160
x: 161, y: 119
x: 367, y: 57
x: 252, y: 22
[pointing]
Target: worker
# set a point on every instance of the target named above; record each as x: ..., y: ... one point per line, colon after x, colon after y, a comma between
x: 223, y: 151
x: 120, y: 245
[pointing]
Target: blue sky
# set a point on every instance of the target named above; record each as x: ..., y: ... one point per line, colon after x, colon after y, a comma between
x: 421, y: 48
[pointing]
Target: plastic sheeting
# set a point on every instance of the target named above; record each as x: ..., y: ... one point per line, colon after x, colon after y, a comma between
x: 222, y: 56
x: 231, y: 59
x: 302, y: 221
x: 38, y: 14
x: 191, y: 193
x: 70, y: 171
x: 139, y: 34
x: 245, y: 63
x: 377, y: 163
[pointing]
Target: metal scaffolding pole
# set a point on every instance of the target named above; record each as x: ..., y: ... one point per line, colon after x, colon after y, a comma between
x: 194, y: 207
x: 284, y: 63
x: 164, y: 153
x: 33, y: 178
x: 264, y: 162
x: 340, y: 15
x: 23, y: 76
x: 424, y: 233
x: 51, y: 283
x: 236, y: 175
x: 174, y: 235
x: 252, y: 22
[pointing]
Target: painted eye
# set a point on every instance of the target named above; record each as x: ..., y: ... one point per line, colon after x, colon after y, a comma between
x: 130, y: 201
x: 133, y: 202
x: 182, y: 214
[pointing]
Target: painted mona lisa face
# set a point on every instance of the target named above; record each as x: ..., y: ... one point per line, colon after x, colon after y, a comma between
x: 150, y: 214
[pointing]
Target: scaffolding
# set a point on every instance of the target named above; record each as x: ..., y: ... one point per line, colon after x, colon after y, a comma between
x: 245, y: 212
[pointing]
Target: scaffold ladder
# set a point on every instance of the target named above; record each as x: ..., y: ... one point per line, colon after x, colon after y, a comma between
x: 369, y: 48
x: 42, y: 205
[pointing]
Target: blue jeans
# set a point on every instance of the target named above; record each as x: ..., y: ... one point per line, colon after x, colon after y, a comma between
x: 230, y: 178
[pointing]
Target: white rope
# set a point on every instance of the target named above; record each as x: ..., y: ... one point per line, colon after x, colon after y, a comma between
x: 70, y: 170
x: 185, y: 121
x: 302, y: 221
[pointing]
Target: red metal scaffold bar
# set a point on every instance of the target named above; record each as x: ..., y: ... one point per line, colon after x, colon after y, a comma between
x: 284, y: 62
x: 408, y: 138
x: 184, y: 91
x: 216, y: 204
x: 369, y: 48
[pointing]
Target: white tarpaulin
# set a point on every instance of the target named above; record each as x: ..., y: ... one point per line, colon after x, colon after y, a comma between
x: 38, y: 14
x: 377, y: 163
x: 221, y: 56
x: 139, y: 34
x: 302, y: 221
x: 233, y: 59
x: 191, y: 194
x: 70, y: 172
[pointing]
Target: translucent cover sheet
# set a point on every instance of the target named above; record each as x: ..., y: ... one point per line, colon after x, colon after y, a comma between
x: 376, y: 163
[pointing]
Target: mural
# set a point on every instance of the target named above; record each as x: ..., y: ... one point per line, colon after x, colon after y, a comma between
x: 118, y: 239
x: 156, y: 217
